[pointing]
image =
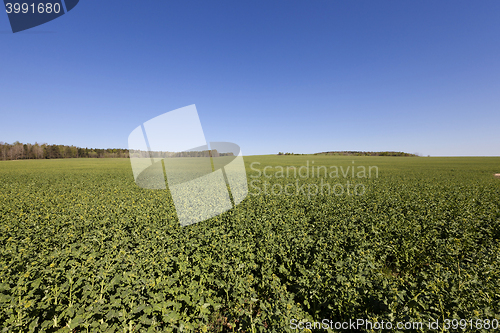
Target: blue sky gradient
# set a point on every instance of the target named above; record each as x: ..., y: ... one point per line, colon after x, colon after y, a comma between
x: 292, y: 76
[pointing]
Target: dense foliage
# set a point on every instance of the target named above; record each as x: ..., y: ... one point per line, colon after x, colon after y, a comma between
x: 26, y: 151
x: 82, y: 248
x: 368, y: 153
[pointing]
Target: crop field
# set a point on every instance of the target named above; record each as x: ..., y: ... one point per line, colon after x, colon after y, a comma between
x: 84, y: 249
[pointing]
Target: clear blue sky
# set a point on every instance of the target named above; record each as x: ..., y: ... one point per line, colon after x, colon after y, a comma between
x: 293, y: 76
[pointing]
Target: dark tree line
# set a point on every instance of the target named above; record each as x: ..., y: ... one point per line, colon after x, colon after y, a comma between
x: 19, y: 151
x: 359, y: 153
x: 169, y: 154
x: 368, y: 153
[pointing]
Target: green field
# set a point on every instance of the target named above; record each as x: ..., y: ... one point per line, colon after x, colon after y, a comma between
x: 84, y: 249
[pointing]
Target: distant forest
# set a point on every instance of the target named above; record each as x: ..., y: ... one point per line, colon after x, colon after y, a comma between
x: 19, y: 151
x: 368, y: 153
x: 24, y: 151
x: 359, y: 153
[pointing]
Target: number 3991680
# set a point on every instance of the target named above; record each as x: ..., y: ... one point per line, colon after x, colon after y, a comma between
x: 41, y: 8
